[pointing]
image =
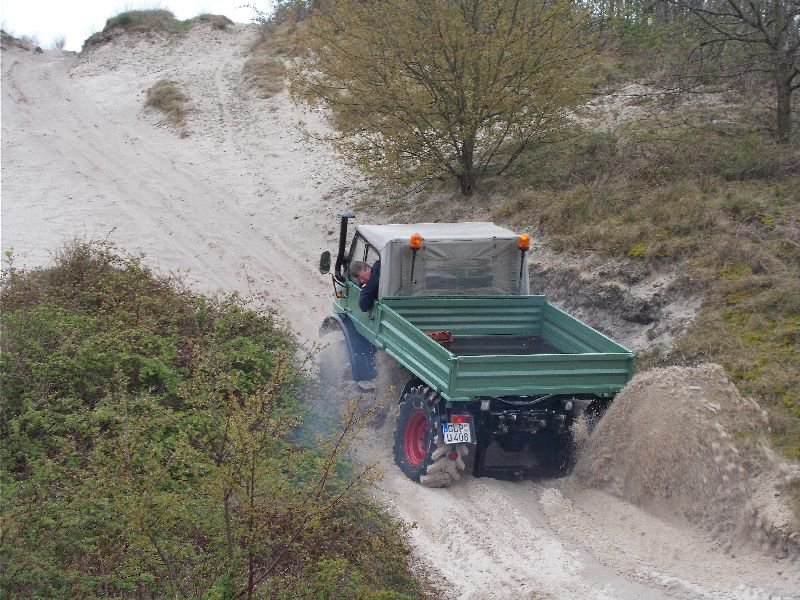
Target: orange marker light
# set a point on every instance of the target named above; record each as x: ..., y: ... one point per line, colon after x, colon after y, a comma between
x: 415, y: 241
x: 524, y: 242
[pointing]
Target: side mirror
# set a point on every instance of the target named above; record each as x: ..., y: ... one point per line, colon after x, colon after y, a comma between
x: 325, y: 262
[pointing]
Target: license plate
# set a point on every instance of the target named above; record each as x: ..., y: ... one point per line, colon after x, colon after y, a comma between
x: 456, y: 433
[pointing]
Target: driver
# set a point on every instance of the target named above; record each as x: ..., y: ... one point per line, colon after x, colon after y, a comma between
x: 367, y: 277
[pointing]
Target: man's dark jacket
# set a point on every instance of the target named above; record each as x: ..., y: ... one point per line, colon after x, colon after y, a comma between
x: 370, y: 290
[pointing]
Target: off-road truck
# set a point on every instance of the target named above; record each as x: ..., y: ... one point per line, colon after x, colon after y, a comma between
x: 487, y: 363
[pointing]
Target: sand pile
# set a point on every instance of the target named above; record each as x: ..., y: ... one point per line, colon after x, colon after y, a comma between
x: 682, y: 441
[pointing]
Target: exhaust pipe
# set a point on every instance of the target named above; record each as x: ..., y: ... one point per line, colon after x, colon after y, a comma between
x: 345, y: 216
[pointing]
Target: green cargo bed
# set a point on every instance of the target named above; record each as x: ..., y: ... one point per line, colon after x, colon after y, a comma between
x: 501, y: 346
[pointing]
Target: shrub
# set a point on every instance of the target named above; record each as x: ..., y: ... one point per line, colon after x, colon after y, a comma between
x: 267, y: 73
x: 146, y: 448
x: 167, y: 97
x: 216, y: 21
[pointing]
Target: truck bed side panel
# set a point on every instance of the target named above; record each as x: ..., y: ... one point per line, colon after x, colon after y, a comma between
x: 540, y: 374
x: 409, y: 346
x: 570, y: 335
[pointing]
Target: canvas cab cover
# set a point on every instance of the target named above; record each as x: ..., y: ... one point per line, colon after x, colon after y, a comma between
x: 473, y: 258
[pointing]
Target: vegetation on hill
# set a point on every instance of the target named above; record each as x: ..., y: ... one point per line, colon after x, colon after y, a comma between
x: 152, y: 446
x: 719, y: 206
x: 151, y: 21
x: 166, y: 96
x: 265, y: 67
x: 458, y: 89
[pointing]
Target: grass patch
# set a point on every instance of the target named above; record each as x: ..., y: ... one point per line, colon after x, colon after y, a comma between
x: 266, y: 66
x: 167, y: 97
x: 751, y: 325
x: 149, y: 448
x: 266, y: 73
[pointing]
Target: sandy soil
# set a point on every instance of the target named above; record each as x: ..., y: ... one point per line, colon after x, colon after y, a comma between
x: 247, y: 203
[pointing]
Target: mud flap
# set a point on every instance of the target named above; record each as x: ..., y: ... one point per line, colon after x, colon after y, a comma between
x: 362, y: 353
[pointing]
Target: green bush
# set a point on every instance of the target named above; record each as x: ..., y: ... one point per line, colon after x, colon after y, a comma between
x: 147, y: 448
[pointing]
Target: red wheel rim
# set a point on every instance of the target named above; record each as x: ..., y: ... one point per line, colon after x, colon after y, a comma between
x: 414, y: 438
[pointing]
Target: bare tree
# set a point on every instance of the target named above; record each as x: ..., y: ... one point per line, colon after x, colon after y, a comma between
x: 768, y: 34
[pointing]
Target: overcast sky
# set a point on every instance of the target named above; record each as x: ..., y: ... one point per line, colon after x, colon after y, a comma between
x: 76, y: 20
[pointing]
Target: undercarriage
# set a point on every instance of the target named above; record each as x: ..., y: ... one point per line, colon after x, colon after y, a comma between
x: 519, y: 436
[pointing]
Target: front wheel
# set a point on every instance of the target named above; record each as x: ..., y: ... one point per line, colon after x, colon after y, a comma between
x: 419, y: 449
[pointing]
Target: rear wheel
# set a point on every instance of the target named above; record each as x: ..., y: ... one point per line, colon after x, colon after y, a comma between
x: 557, y: 454
x: 595, y: 411
x: 419, y: 449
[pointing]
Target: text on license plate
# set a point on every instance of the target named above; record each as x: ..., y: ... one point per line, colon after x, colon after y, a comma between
x: 456, y: 433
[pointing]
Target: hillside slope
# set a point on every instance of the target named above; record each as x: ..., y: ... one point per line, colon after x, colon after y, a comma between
x: 242, y: 204
x: 246, y: 203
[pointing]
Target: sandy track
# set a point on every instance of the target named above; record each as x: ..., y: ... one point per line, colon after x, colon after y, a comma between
x: 243, y: 203
x: 246, y: 204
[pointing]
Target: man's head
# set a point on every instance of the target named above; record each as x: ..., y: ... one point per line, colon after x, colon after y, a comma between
x: 360, y: 271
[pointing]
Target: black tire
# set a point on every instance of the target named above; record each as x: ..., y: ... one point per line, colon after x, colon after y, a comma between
x: 556, y: 454
x: 419, y: 449
x: 595, y: 411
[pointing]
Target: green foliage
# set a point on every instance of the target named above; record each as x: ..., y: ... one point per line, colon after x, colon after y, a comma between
x: 638, y: 250
x: 444, y: 89
x: 146, y: 448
